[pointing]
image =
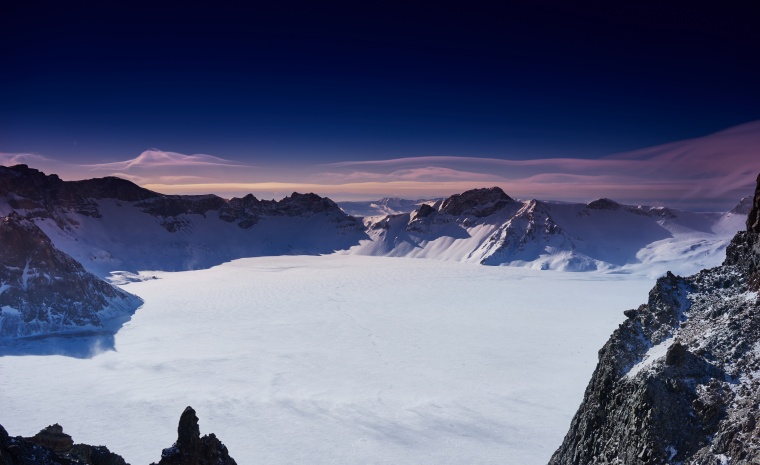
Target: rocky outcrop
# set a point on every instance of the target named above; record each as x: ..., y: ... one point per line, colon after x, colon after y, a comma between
x: 753, y: 219
x: 44, y: 196
x: 743, y: 207
x: 52, y: 446
x: 191, y: 448
x: 679, y: 381
x: 37, y: 195
x: 603, y: 204
x: 53, y: 438
x: 476, y: 202
x: 44, y: 291
x: 248, y: 211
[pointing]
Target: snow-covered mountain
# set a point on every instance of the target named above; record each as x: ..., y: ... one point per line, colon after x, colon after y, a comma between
x: 487, y: 226
x: 111, y: 224
x: 44, y: 291
x: 383, y: 207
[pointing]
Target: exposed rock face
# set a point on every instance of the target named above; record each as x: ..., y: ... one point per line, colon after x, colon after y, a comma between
x: 45, y: 291
x: 191, y: 448
x: 679, y: 381
x: 42, y: 196
x: 52, y: 446
x: 753, y: 219
x: 476, y: 202
x: 54, y: 438
x: 603, y: 204
x: 744, y: 206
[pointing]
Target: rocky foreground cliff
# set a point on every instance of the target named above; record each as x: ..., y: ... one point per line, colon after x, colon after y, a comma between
x: 51, y: 446
x: 45, y: 291
x: 679, y: 381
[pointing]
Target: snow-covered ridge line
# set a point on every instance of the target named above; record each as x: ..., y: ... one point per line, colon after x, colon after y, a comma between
x: 111, y: 224
x: 488, y: 227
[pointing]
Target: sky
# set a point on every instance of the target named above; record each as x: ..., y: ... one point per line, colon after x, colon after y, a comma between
x: 361, y: 100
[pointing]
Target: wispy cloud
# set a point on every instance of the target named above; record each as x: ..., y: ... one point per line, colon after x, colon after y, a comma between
x: 154, y: 158
x: 10, y: 159
x: 715, y: 170
x: 708, y: 172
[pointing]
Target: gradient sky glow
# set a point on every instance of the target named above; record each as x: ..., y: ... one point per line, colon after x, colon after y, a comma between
x: 382, y: 98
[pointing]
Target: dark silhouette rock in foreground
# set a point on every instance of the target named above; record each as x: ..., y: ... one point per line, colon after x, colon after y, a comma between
x: 679, y: 381
x: 192, y: 449
x: 52, y: 446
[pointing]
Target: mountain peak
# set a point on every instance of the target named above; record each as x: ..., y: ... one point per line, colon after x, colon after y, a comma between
x: 191, y: 448
x: 476, y: 202
x: 603, y: 204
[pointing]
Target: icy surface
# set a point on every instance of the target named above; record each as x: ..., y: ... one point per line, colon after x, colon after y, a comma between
x: 336, y: 359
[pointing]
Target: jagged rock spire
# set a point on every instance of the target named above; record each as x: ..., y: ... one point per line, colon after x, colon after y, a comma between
x: 191, y: 448
x: 753, y: 220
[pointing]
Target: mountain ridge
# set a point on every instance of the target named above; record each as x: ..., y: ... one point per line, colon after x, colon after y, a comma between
x: 677, y: 382
x: 115, y: 229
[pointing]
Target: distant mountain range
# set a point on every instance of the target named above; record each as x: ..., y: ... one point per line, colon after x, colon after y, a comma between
x: 74, y: 232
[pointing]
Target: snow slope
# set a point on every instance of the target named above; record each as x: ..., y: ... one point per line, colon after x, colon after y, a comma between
x: 125, y: 238
x: 601, y: 235
x: 336, y: 359
x: 44, y: 291
x: 383, y: 207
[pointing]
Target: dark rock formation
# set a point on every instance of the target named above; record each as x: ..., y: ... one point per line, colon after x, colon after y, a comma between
x: 476, y: 202
x: 191, y: 448
x: 743, y: 207
x: 42, y: 196
x: 753, y: 219
x: 424, y: 211
x: 603, y: 204
x: 54, y: 438
x: 679, y: 381
x: 52, y: 446
x: 45, y: 291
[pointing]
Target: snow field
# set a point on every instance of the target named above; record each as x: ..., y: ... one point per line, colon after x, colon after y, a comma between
x: 336, y: 359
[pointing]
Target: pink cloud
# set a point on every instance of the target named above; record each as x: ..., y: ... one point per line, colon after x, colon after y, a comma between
x: 10, y: 159
x: 717, y: 169
x: 158, y: 158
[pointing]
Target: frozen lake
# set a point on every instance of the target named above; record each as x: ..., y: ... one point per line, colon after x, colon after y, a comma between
x: 336, y: 360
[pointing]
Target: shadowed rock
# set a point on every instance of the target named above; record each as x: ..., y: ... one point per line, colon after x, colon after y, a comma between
x: 52, y: 446
x: 476, y: 202
x: 753, y: 219
x: 54, y: 438
x: 698, y: 402
x: 191, y: 448
x: 45, y: 291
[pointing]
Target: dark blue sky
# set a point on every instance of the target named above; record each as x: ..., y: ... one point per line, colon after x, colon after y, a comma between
x: 309, y: 82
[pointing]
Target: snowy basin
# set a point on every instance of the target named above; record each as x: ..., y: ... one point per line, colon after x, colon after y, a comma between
x: 336, y: 360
